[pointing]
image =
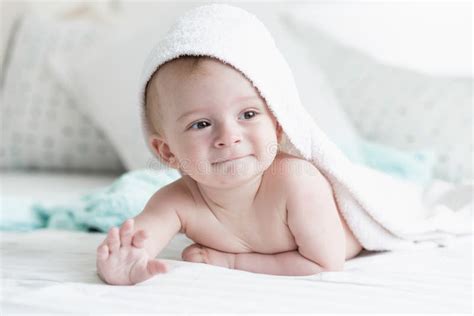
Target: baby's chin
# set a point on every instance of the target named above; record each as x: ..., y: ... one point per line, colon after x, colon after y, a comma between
x: 231, y: 173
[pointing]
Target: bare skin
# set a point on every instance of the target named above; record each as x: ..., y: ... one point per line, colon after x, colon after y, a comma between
x: 245, y: 205
x: 221, y: 238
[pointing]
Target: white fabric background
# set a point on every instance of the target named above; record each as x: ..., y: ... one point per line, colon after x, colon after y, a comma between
x: 395, y: 105
x: 41, y: 127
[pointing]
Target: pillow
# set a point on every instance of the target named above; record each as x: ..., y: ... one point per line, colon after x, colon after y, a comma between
x: 41, y: 126
x: 105, y: 85
x: 105, y: 82
x: 396, y: 106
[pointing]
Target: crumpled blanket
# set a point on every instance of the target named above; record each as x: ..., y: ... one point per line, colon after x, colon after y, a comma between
x: 96, y: 211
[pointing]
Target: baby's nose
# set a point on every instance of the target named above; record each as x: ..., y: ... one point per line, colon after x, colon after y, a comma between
x: 224, y: 143
x: 227, y: 137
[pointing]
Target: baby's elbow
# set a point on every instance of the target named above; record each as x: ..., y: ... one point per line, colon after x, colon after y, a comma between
x: 334, y: 266
x: 318, y: 268
x: 335, y: 260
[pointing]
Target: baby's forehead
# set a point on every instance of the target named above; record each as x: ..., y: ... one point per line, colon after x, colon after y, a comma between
x: 183, y: 66
x: 170, y: 76
x: 193, y: 74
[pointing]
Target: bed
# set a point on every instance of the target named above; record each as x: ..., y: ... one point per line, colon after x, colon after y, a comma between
x: 49, y: 270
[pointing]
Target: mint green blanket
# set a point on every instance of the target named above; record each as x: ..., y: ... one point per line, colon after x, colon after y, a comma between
x: 125, y: 197
x: 96, y: 211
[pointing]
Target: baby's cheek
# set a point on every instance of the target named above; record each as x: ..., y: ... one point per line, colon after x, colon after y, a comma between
x: 192, y: 161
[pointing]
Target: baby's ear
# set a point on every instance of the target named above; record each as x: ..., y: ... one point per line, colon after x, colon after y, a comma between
x: 162, y: 150
x: 279, y: 131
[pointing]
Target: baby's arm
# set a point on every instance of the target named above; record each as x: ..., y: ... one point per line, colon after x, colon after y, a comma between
x: 314, y: 221
x: 127, y: 255
x: 160, y: 220
x: 285, y: 263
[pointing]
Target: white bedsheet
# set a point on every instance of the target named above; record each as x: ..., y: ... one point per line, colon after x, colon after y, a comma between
x: 54, y: 271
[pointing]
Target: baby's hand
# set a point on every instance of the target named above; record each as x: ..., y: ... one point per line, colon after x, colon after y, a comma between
x: 122, y: 258
x: 200, y: 254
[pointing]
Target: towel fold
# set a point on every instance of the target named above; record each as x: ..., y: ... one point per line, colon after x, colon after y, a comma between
x: 384, y: 212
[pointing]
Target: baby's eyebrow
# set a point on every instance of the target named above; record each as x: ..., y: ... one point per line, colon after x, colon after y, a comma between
x: 187, y: 114
x: 246, y: 98
x: 236, y: 100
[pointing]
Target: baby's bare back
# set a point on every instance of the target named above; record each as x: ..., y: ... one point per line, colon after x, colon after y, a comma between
x: 262, y: 228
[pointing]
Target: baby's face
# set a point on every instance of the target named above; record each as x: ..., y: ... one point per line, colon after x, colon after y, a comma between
x: 217, y: 128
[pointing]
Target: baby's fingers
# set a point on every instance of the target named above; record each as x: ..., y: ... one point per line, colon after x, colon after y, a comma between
x: 113, y: 241
x: 139, y: 239
x: 140, y: 273
x: 102, y: 252
x: 126, y: 233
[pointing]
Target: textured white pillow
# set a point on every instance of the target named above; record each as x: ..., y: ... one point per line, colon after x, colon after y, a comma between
x: 106, y: 84
x: 41, y: 126
x: 399, y: 107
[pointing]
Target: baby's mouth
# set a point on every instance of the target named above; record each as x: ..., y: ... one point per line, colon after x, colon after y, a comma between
x: 228, y: 160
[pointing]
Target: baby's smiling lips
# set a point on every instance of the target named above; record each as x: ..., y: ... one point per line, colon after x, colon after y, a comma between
x: 228, y: 159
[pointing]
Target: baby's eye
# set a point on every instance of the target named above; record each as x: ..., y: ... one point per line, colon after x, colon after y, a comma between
x: 200, y: 125
x: 249, y: 114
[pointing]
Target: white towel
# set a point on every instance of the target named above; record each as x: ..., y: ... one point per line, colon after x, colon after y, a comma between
x: 384, y: 213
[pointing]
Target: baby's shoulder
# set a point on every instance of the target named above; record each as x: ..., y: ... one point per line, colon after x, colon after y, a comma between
x: 175, y: 193
x: 287, y: 165
x: 292, y: 171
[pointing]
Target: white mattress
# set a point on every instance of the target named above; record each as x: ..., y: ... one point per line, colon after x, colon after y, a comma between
x: 54, y: 271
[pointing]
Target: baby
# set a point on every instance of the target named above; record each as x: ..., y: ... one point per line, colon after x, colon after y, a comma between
x: 245, y: 204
